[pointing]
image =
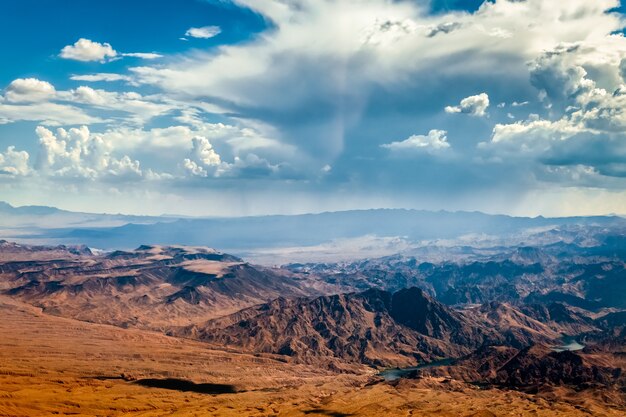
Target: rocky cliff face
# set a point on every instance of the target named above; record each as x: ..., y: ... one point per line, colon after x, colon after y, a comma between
x: 350, y: 327
x: 374, y: 327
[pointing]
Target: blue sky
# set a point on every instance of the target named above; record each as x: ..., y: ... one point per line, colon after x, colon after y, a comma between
x: 40, y: 26
x: 288, y: 106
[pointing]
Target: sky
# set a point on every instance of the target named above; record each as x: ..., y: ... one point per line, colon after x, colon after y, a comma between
x: 247, y: 107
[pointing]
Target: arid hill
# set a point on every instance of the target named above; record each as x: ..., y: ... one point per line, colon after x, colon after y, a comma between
x: 374, y: 327
x: 539, y: 366
x: 152, y: 287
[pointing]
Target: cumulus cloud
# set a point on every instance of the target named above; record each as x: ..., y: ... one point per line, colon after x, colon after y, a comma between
x: 204, y: 161
x: 76, y: 153
x: 29, y: 90
x: 560, y: 151
x: 204, y: 152
x: 253, y: 166
x: 79, y: 154
x: 239, y: 140
x: 35, y: 100
x: 14, y: 163
x: 473, y: 105
x: 88, y: 95
x: 534, y: 135
x: 588, y: 138
x: 435, y: 141
x: 194, y: 168
x: 203, y: 158
x: 86, y: 50
x: 204, y: 32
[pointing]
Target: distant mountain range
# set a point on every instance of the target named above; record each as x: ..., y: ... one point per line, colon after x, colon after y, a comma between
x: 33, y: 219
x: 250, y: 236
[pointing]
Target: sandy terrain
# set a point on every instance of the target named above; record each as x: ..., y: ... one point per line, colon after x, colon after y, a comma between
x: 51, y: 365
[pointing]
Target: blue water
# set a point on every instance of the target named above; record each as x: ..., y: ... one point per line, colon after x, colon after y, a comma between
x: 569, y: 343
x: 393, y: 374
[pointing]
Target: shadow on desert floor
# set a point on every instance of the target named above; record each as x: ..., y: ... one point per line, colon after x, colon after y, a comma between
x: 322, y: 412
x: 187, y: 386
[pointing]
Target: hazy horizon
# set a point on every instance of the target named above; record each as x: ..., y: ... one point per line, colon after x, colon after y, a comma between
x: 278, y: 213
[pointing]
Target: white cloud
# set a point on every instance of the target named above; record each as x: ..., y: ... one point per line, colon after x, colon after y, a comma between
x: 435, y: 141
x: 51, y: 114
x: 203, y: 151
x: 253, y: 166
x: 139, y: 109
x: 34, y: 100
x: 86, y: 50
x: 204, y: 160
x: 240, y: 140
x: 320, y: 54
x: 194, y: 169
x: 88, y: 95
x: 473, y: 105
x: 30, y: 99
x: 534, y: 135
x: 204, y: 32
x: 123, y: 168
x: 29, y: 90
x: 102, y: 76
x: 79, y: 154
x: 14, y: 163
x: 588, y: 137
x: 155, y: 138
x: 143, y: 55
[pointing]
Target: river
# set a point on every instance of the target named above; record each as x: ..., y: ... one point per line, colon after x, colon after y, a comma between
x: 568, y: 343
x: 392, y: 374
